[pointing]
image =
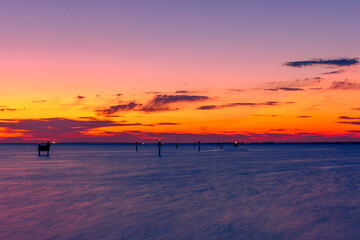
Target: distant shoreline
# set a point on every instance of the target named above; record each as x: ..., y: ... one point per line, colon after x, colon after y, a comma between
x: 188, y: 143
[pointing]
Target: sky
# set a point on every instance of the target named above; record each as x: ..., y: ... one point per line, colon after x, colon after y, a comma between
x: 121, y: 71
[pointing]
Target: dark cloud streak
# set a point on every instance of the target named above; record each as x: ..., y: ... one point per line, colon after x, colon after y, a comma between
x: 333, y: 72
x: 334, y: 62
x: 117, y: 108
x: 212, y: 107
x: 353, y: 123
x: 285, y: 89
x: 345, y: 85
x: 348, y: 118
x: 162, y: 102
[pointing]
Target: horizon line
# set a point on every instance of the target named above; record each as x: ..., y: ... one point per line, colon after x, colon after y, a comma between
x: 195, y: 142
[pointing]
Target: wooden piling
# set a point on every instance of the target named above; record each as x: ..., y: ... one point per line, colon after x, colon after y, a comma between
x: 159, y: 144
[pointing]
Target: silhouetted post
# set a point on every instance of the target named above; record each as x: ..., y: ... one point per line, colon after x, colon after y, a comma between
x: 136, y: 144
x: 199, y: 145
x: 159, y: 144
x: 48, y: 148
x: 235, y: 144
x: 176, y: 145
x: 221, y: 145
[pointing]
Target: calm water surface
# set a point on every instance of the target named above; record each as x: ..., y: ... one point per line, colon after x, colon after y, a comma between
x: 112, y: 192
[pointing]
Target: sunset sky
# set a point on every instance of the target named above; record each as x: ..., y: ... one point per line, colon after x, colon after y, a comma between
x: 120, y: 71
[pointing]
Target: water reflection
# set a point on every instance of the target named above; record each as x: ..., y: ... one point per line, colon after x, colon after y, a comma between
x: 112, y: 192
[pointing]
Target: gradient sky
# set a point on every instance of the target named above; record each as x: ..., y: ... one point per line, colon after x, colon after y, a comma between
x: 120, y: 71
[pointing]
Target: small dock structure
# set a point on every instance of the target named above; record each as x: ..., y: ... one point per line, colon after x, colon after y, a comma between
x: 44, y: 148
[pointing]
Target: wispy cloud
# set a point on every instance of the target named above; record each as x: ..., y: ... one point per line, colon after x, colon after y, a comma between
x: 190, y: 92
x: 284, y: 89
x: 332, y: 62
x: 89, y: 118
x: 209, y: 107
x: 58, y: 128
x: 162, y: 102
x: 353, y: 123
x: 68, y: 130
x: 39, y: 101
x: 278, y: 130
x: 348, y: 118
x: 167, y: 123
x: 235, y: 90
x: 79, y: 100
x: 8, y: 109
x: 212, y: 107
x: 333, y: 72
x: 263, y: 115
x: 275, y: 136
x: 345, y: 85
x: 118, y: 108
x: 182, y: 92
x: 296, y: 85
x: 303, y: 116
x: 94, y: 130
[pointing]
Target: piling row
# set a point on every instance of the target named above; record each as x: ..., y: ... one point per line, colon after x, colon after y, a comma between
x: 46, y: 147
